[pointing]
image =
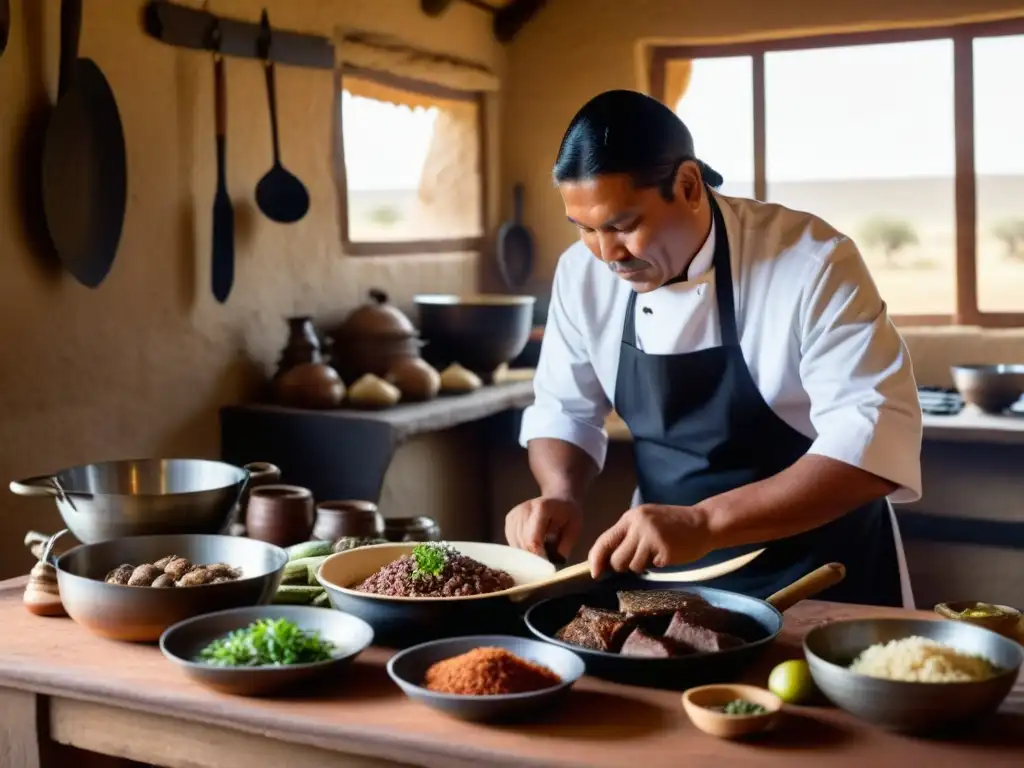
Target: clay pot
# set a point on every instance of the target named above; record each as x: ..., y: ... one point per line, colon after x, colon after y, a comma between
x: 421, y: 528
x: 310, y: 385
x: 303, y: 345
x: 280, y: 514
x: 415, y: 379
x: 359, y: 519
x: 260, y: 473
x: 372, y: 338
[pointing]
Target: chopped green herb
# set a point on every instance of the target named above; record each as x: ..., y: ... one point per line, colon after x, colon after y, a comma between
x: 430, y: 559
x: 265, y: 643
x: 743, y: 707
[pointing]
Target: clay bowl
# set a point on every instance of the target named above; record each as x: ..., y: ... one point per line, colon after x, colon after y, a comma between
x: 408, y: 668
x: 183, y: 642
x: 992, y: 388
x: 1008, y: 624
x: 335, y: 519
x: 279, y: 514
x: 700, y: 705
x: 141, y: 614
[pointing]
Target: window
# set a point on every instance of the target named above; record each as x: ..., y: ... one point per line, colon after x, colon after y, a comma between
x: 413, y: 179
x: 911, y: 142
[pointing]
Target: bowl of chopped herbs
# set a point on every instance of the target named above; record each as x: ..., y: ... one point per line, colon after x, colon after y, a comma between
x: 732, y: 711
x: 264, y: 649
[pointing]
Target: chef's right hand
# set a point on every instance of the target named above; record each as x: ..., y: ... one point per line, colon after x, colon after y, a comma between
x: 542, y: 519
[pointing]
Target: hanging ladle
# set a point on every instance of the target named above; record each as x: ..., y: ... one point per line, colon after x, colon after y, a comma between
x: 279, y: 194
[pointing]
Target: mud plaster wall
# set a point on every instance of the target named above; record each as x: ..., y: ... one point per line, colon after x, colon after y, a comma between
x: 140, y: 366
x: 592, y: 46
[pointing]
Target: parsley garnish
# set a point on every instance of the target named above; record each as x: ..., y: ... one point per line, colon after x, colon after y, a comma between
x: 267, y: 642
x: 429, y: 559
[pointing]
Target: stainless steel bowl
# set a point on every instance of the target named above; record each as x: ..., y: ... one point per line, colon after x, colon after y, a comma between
x: 904, y: 706
x: 992, y: 388
x: 141, y: 614
x: 183, y: 642
x: 140, y: 497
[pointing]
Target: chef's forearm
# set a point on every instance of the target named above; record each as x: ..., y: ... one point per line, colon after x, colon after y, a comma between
x: 813, y: 491
x: 561, y: 469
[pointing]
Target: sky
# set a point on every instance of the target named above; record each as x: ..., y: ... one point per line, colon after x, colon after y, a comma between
x: 867, y: 112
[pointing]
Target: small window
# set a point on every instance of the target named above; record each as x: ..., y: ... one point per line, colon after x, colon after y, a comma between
x: 413, y: 178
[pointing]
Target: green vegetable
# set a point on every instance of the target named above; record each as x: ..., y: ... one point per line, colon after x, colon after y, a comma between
x: 323, y: 600
x: 743, y: 707
x: 309, y: 549
x: 430, y: 559
x: 267, y: 642
x: 290, y: 594
x: 295, y: 573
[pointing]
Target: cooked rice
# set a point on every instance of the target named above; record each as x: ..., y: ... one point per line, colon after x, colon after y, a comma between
x: 920, y: 660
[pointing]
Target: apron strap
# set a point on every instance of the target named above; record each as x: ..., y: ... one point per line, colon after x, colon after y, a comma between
x: 723, y: 278
x: 629, y: 323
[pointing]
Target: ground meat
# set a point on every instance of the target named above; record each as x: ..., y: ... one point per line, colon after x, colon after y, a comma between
x: 461, y: 576
x: 488, y: 672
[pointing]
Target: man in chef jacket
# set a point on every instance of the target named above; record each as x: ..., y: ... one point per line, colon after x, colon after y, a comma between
x: 770, y: 399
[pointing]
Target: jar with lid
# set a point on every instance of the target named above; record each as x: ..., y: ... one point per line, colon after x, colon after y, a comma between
x: 372, y: 338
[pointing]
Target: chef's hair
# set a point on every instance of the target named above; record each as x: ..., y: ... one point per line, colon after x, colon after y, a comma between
x: 624, y: 131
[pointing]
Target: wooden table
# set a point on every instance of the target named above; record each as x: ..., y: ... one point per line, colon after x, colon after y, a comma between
x: 61, y: 687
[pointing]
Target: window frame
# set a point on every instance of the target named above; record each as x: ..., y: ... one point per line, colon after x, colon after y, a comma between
x: 967, y: 311
x: 408, y: 247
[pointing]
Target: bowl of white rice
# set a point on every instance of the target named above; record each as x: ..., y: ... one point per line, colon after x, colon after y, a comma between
x: 913, y: 675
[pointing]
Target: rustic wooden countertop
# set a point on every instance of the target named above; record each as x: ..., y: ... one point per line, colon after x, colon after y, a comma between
x: 128, y: 701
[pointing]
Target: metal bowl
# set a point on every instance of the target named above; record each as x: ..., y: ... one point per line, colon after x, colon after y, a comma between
x: 141, y: 614
x: 409, y: 667
x: 140, y: 497
x: 479, y: 332
x: 905, y: 706
x: 183, y: 642
x: 992, y: 388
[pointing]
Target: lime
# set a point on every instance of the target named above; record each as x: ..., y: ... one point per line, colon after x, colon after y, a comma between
x: 791, y: 681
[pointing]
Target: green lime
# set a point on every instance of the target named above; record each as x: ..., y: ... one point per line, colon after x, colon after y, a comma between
x: 791, y: 681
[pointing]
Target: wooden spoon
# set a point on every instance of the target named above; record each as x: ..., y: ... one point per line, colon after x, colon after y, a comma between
x: 582, y: 570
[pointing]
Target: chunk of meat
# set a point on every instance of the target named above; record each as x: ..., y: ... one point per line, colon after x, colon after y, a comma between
x: 718, y: 619
x: 597, y: 629
x: 639, y: 643
x: 698, y: 638
x: 657, y: 602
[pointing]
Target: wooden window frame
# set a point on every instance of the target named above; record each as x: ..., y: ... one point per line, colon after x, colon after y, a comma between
x: 963, y: 36
x: 407, y: 247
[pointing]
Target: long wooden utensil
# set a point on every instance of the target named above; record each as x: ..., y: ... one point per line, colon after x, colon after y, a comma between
x: 582, y: 570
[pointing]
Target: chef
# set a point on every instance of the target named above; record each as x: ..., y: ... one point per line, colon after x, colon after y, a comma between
x: 770, y: 399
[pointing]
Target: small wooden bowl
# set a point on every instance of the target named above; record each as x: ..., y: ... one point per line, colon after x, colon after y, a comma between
x: 697, y: 703
x: 1010, y: 624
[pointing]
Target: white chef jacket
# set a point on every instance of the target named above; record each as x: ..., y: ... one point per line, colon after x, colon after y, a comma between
x: 813, y: 329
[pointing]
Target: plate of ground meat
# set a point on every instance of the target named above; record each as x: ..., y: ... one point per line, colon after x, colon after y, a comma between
x: 487, y: 677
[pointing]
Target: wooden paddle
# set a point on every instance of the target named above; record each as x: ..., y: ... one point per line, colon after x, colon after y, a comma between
x: 582, y: 570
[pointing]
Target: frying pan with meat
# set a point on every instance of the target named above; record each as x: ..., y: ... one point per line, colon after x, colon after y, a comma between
x: 757, y: 623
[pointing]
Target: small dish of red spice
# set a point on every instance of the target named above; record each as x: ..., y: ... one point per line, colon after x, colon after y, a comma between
x: 488, y: 672
x: 487, y: 677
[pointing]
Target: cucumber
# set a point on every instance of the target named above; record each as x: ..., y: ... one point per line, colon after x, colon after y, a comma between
x: 303, y: 570
x: 309, y: 549
x: 295, y: 572
x: 322, y: 600
x: 289, y: 594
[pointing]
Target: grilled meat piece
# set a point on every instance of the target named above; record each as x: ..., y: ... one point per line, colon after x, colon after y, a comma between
x: 639, y: 643
x: 657, y: 602
x: 698, y: 638
x: 597, y: 629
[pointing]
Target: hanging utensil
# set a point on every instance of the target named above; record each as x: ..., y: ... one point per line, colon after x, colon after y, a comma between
x: 515, y: 245
x: 222, y: 251
x: 85, y: 177
x: 5, y: 24
x: 279, y: 194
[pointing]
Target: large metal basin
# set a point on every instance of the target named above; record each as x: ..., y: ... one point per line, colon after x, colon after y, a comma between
x: 139, y: 497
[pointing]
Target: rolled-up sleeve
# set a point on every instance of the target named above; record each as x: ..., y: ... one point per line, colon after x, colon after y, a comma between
x: 569, y: 403
x: 857, y: 373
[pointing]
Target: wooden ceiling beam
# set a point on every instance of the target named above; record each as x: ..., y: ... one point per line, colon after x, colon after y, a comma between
x: 508, y: 21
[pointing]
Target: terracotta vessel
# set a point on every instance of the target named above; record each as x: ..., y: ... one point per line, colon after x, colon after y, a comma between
x: 303, y: 345
x: 372, y: 338
x: 335, y: 519
x: 260, y: 473
x: 421, y: 528
x: 313, y: 385
x: 280, y: 514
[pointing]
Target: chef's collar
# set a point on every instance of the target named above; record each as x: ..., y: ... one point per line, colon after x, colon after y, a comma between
x: 701, y: 262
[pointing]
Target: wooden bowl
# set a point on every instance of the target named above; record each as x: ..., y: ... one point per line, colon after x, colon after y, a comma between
x: 699, y: 703
x: 1010, y: 624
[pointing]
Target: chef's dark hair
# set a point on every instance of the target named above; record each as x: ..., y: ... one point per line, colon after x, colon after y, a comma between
x: 627, y: 132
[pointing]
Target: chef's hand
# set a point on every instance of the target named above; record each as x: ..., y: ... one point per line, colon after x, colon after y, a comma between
x: 651, y: 535
x: 533, y: 522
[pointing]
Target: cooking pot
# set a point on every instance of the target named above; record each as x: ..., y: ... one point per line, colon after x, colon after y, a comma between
x: 372, y: 338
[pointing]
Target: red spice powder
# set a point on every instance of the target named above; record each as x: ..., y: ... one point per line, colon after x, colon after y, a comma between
x: 488, y: 672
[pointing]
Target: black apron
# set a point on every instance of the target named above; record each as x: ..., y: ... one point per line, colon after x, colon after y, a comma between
x: 700, y: 427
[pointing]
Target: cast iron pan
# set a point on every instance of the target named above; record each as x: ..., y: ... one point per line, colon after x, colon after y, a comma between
x: 762, y: 625
x: 85, y: 178
x: 515, y: 245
